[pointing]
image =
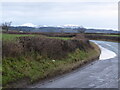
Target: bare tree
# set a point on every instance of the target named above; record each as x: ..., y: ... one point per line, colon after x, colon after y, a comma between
x: 6, y: 25
x: 80, y: 35
x: 81, y: 29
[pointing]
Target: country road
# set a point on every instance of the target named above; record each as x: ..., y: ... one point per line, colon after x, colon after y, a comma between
x: 102, y: 73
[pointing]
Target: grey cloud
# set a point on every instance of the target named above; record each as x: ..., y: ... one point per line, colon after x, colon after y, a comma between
x: 82, y: 13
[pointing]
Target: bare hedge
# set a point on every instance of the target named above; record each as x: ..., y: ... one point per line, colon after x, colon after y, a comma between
x: 51, y: 48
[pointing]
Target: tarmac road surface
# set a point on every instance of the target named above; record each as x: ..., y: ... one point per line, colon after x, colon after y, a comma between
x: 102, y: 73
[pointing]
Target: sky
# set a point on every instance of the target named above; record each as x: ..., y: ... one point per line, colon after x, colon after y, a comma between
x: 87, y: 13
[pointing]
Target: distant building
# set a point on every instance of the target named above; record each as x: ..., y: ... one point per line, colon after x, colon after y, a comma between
x: 21, y: 31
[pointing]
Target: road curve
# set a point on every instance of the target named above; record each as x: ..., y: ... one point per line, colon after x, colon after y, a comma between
x: 98, y: 74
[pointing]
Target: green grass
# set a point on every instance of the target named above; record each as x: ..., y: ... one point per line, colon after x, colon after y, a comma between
x: 13, y: 36
x: 38, y: 68
x: 63, y: 38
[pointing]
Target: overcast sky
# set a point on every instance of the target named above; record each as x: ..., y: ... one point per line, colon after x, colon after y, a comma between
x: 90, y: 14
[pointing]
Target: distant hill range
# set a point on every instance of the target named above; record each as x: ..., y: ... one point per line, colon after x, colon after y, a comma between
x: 58, y: 29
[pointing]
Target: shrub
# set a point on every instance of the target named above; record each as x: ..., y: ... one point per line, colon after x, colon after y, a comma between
x: 52, y: 48
x: 45, y: 47
x: 11, y: 49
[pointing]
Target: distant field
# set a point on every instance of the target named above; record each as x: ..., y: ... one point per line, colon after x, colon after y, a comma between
x: 13, y: 36
x: 113, y: 35
x: 63, y: 38
x: 104, y: 35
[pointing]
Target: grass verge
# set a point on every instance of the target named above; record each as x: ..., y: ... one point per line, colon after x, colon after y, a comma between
x: 18, y: 72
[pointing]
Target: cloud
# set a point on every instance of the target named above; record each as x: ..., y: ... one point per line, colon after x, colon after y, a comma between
x: 88, y: 14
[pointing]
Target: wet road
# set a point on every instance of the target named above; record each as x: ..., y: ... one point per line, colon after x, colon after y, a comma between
x: 102, y: 73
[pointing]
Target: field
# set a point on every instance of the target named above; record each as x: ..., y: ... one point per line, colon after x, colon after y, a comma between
x: 104, y: 34
x: 14, y: 36
x: 104, y: 37
x: 113, y: 35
